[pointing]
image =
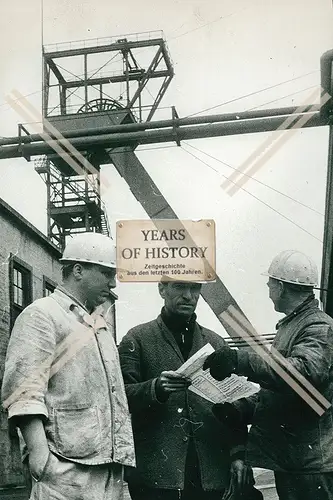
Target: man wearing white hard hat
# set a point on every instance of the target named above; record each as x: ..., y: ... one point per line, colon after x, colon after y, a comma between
x: 290, y: 434
x: 63, y: 386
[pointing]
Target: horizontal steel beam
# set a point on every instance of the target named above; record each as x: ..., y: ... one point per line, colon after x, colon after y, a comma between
x: 175, y: 122
x: 175, y: 134
x: 115, y: 79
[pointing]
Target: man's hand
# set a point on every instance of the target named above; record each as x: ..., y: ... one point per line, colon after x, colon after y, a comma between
x: 222, y: 363
x: 241, y: 475
x: 170, y: 381
x: 37, y: 461
x: 33, y: 432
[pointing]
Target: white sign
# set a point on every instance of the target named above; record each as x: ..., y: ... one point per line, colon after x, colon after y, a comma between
x: 165, y: 250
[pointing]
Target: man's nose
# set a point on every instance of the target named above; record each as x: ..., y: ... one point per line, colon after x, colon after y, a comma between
x: 187, y: 294
x: 112, y: 282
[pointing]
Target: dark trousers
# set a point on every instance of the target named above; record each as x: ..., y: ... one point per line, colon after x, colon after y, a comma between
x: 304, y: 486
x: 192, y: 487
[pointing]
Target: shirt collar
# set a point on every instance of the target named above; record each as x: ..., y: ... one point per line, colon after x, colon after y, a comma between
x: 68, y: 299
x: 72, y: 304
x: 311, y: 301
x: 176, y: 324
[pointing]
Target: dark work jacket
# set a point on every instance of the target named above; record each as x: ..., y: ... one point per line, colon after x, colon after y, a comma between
x: 162, y: 430
x: 286, y: 433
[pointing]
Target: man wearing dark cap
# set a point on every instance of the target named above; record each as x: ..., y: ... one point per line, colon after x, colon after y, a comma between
x: 181, y: 451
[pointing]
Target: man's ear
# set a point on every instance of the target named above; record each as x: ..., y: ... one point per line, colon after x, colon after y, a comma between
x: 282, y: 288
x: 77, y: 271
x: 161, y: 289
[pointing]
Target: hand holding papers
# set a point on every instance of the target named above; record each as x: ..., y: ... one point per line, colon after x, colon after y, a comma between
x: 204, y: 385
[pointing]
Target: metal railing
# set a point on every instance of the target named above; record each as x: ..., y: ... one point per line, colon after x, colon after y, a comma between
x: 104, y: 41
x: 263, y: 339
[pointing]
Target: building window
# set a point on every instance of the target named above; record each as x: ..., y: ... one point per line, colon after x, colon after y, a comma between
x: 48, y: 286
x: 20, y: 287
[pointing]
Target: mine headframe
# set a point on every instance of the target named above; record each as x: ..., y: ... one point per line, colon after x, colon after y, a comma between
x: 87, y: 85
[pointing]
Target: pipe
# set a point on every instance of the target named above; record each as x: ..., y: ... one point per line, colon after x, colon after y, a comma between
x: 176, y: 122
x: 159, y: 136
x: 326, y: 62
x: 326, y: 294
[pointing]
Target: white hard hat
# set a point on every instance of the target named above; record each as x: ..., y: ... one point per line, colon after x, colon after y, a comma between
x: 92, y: 248
x: 292, y: 266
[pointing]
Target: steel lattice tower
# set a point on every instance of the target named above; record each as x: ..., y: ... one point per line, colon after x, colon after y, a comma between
x: 88, y: 85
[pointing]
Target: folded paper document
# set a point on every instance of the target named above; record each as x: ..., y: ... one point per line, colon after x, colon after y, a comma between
x: 225, y: 391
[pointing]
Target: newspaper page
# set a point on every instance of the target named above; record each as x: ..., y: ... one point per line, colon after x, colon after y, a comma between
x: 203, y: 384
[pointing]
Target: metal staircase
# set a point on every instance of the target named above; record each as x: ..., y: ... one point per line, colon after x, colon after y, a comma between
x: 74, y: 203
x: 105, y: 228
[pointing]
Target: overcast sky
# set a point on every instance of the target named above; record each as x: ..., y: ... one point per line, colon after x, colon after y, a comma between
x: 221, y: 50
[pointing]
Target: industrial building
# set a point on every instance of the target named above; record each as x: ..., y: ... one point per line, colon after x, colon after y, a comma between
x: 30, y: 269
